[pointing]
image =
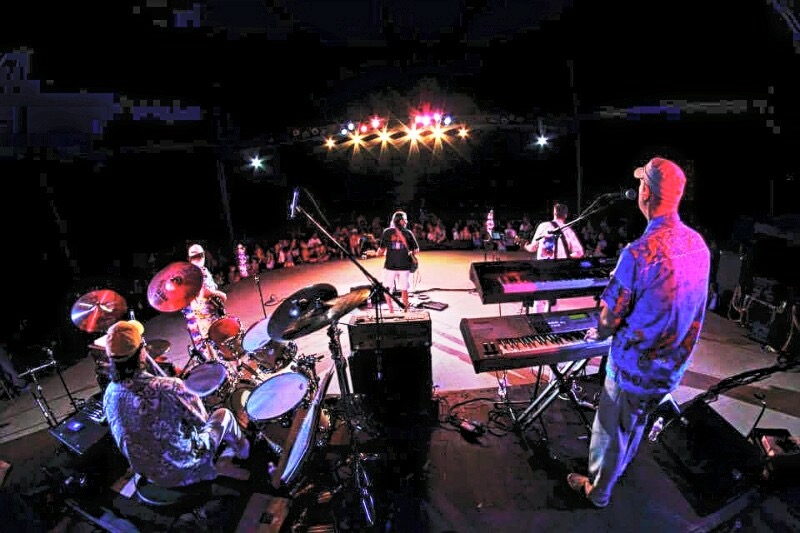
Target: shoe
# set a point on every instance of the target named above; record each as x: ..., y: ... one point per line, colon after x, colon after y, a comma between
x: 583, y: 486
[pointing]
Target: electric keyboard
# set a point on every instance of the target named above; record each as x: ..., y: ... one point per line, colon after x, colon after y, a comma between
x: 543, y: 279
x: 518, y: 341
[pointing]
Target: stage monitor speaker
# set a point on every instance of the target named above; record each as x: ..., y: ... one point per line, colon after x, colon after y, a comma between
x: 397, y: 383
x: 714, y: 458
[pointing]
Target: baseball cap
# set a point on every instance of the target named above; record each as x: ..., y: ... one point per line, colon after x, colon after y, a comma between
x: 664, y: 177
x: 123, y: 339
x: 194, y: 250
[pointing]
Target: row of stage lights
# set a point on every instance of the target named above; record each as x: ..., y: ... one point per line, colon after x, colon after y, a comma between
x: 434, y: 126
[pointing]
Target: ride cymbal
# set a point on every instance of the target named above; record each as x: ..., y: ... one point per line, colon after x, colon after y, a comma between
x: 174, y: 287
x: 96, y: 311
x: 297, y: 304
x: 325, y: 314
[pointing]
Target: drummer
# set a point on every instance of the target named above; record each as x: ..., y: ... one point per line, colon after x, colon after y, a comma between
x: 162, y: 428
x: 206, y: 307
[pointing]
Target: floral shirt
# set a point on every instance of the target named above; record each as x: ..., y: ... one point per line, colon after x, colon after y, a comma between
x: 155, y: 422
x: 659, y: 287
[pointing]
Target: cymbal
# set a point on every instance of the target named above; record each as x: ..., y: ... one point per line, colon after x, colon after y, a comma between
x: 157, y: 347
x: 175, y: 286
x: 325, y: 314
x: 296, y: 305
x: 98, y: 310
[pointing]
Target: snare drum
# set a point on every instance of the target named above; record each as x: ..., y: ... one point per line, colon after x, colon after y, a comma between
x: 206, y: 379
x: 271, y: 355
x: 274, y: 356
x: 278, y: 395
x: 226, y: 334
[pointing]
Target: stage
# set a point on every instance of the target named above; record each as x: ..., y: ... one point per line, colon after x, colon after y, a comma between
x: 427, y: 474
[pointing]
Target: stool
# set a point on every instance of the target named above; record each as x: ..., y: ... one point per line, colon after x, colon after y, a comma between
x: 180, y: 503
x: 158, y: 496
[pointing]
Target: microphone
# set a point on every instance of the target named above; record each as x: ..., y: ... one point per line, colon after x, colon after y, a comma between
x: 293, y: 205
x: 627, y: 194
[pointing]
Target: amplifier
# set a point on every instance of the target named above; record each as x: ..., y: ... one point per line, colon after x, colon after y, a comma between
x: 397, y: 382
x: 396, y: 330
x: 80, y: 432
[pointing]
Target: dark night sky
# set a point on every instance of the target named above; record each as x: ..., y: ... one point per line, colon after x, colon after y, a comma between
x: 269, y: 66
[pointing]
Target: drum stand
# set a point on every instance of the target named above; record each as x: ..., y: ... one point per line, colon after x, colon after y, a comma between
x: 359, y: 478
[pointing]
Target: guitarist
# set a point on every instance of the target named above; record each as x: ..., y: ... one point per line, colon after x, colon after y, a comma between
x: 207, y: 306
x: 400, y: 247
x: 559, y: 245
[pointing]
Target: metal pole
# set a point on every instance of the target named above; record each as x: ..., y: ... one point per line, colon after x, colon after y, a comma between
x: 223, y: 190
x: 577, y: 122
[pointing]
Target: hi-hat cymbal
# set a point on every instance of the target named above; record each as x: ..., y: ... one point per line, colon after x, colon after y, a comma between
x: 325, y: 314
x: 296, y: 305
x: 157, y: 347
x: 98, y: 310
x: 175, y: 286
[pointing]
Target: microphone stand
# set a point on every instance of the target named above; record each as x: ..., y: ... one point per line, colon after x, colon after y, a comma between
x: 377, y: 286
x: 595, y: 207
x: 360, y: 479
x: 257, y: 279
x: 38, y: 392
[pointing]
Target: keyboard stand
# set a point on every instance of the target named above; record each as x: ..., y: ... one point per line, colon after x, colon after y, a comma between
x: 561, y: 384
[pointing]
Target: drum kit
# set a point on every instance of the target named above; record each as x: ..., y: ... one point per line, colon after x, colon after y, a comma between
x: 255, y: 372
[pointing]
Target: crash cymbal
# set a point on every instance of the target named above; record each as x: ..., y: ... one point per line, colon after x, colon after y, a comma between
x: 296, y: 305
x: 325, y: 314
x: 98, y: 310
x: 157, y: 347
x: 174, y: 287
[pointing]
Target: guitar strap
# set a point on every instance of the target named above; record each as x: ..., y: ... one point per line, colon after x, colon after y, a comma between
x: 563, y: 239
x: 405, y: 242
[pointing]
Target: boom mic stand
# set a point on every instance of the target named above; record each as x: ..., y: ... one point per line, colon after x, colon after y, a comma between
x: 38, y: 392
x: 360, y: 479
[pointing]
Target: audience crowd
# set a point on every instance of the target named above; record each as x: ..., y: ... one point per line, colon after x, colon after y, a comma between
x: 257, y: 255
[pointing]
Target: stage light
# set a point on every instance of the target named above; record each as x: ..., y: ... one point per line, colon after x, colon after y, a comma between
x: 363, y: 128
x: 256, y: 163
x: 351, y: 126
x: 541, y: 141
x: 462, y: 132
x: 384, y: 136
x: 330, y: 143
x: 447, y: 120
x: 376, y: 123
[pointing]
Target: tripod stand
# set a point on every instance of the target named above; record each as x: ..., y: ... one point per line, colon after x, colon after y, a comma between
x: 38, y: 392
x: 359, y: 481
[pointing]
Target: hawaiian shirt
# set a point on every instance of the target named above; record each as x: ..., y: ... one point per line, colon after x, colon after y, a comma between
x: 659, y: 287
x: 155, y: 422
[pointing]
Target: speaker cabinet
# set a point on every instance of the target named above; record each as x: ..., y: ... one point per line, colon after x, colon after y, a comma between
x: 718, y: 463
x: 397, y: 383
